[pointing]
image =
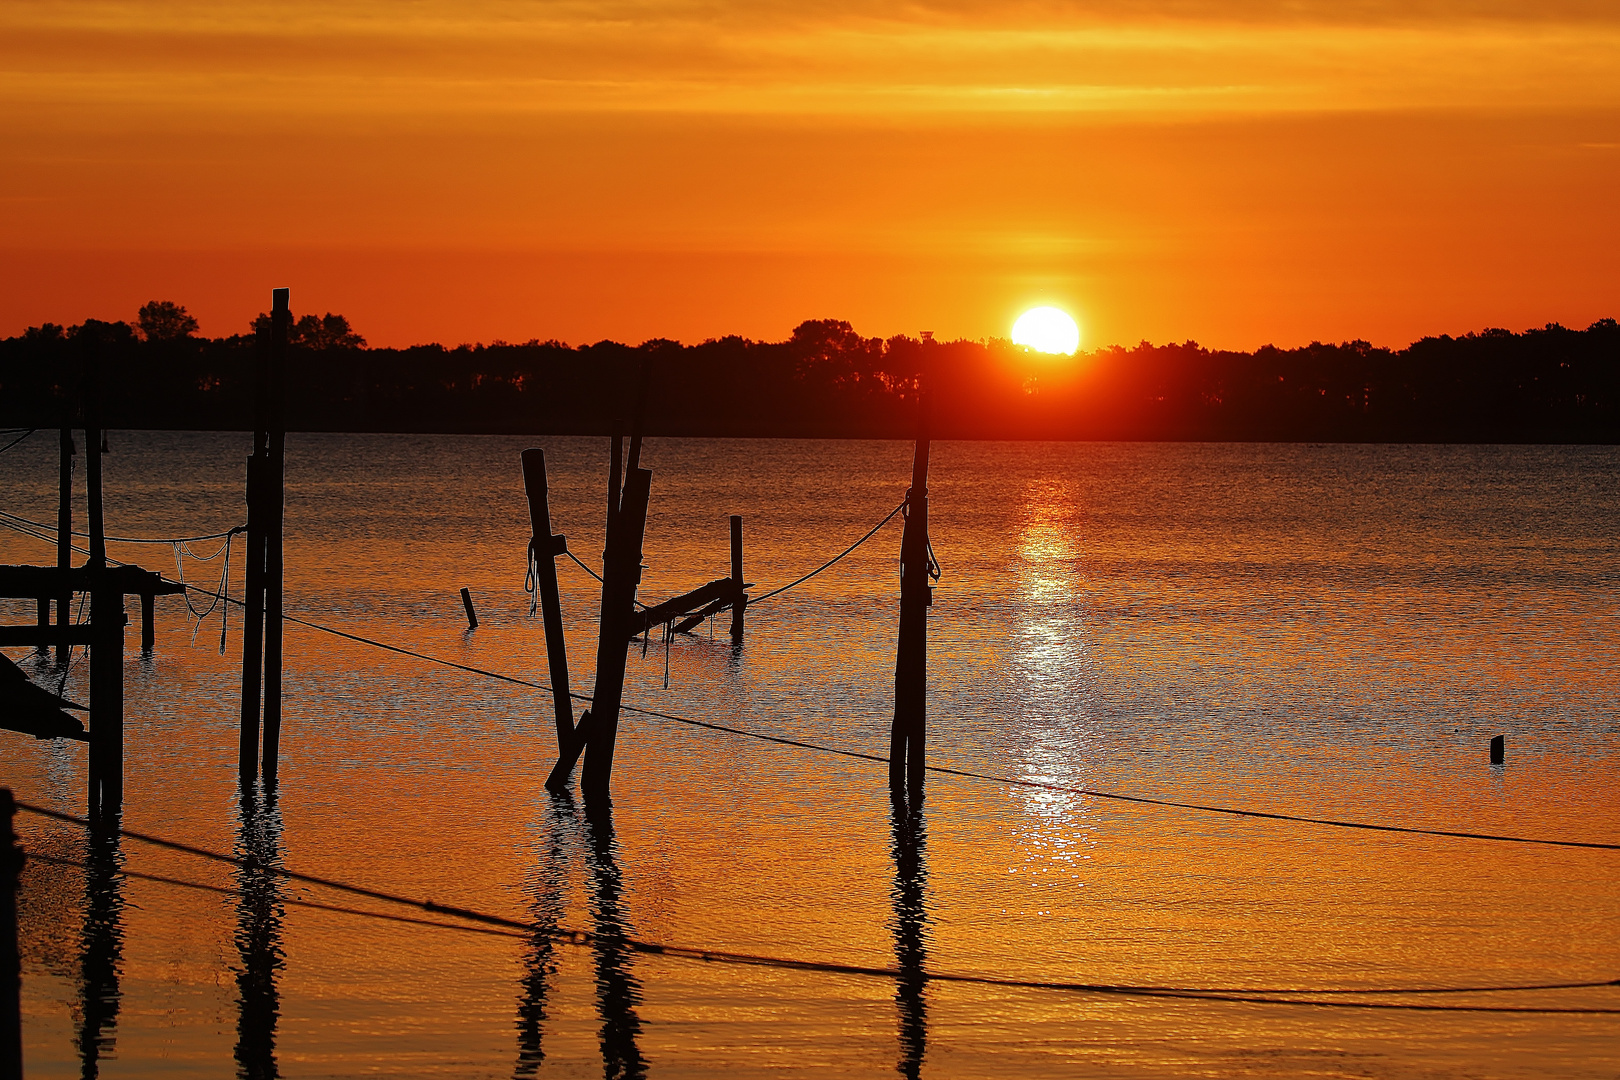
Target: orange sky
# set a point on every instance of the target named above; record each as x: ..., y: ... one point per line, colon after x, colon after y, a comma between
x: 1236, y: 172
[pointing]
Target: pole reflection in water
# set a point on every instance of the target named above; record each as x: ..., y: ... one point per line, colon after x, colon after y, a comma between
x: 910, y: 933
x: 540, y: 957
x: 259, y: 916
x: 618, y: 991
x: 101, y: 948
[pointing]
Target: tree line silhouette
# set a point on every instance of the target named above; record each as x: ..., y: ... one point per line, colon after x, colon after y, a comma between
x: 1554, y: 384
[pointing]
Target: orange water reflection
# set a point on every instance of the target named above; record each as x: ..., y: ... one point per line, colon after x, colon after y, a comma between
x: 1239, y: 625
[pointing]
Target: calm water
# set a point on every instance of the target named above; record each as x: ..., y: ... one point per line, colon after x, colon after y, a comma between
x: 1322, y: 630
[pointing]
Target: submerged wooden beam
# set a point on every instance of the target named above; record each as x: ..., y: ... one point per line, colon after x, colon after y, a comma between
x: 724, y: 590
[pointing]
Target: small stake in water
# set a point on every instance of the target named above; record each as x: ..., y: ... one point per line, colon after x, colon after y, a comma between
x: 472, y: 616
x: 1498, y: 749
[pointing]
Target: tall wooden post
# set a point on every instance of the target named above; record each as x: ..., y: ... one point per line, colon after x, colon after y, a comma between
x: 106, y: 772
x: 741, y: 602
x: 252, y: 619
x: 621, y: 574
x: 11, y: 864
x: 545, y: 548
x: 262, y: 627
x: 275, y: 382
x: 907, y: 755
x: 64, y: 539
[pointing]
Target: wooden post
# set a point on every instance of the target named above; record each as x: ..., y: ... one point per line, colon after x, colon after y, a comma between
x: 907, y: 755
x: 466, y: 602
x: 148, y: 621
x: 545, y: 548
x: 253, y: 621
x: 621, y: 575
x: 106, y: 772
x: 64, y: 538
x: 741, y: 602
x: 275, y: 500
x: 43, y: 619
x: 11, y: 864
x: 615, y: 480
x: 1498, y: 749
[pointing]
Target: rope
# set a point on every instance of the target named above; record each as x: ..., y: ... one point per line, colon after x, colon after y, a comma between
x: 582, y: 566
x: 224, y: 584
x: 836, y: 558
x: 1141, y: 800
x: 17, y: 440
x: 130, y: 539
x: 682, y: 952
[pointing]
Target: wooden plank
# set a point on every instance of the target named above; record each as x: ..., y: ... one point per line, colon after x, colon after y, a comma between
x: 23, y: 582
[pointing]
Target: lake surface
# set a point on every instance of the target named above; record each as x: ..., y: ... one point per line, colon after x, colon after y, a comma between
x: 1321, y: 630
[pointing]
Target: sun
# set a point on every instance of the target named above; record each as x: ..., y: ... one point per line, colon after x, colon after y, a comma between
x: 1047, y: 330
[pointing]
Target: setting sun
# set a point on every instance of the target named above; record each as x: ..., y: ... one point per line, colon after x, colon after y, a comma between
x: 1048, y: 330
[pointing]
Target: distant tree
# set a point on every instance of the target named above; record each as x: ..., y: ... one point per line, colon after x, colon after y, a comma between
x: 318, y: 332
x: 327, y: 332
x: 164, y: 320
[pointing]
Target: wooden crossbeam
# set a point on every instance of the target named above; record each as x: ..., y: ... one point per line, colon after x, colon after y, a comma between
x: 51, y: 582
x: 723, y: 589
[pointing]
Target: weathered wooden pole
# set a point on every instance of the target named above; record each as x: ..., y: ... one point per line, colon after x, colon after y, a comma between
x: 466, y: 602
x: 1498, y: 749
x: 615, y: 478
x: 275, y: 499
x: 253, y: 599
x: 544, y: 548
x: 11, y: 864
x: 148, y: 621
x: 64, y: 538
x: 907, y: 738
x: 621, y: 575
x: 741, y: 603
x: 106, y: 772
x: 262, y: 627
